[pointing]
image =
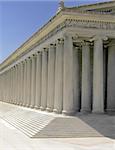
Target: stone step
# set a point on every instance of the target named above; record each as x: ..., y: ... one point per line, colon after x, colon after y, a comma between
x: 24, y: 130
x: 36, y: 124
x: 30, y: 126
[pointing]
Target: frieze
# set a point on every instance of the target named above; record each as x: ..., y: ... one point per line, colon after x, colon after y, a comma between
x: 69, y: 23
x: 90, y: 24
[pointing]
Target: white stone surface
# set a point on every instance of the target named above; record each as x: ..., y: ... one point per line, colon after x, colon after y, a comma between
x: 111, y: 78
x: 33, y: 81
x: 86, y: 78
x: 58, y: 97
x: 51, y: 78
x: 38, y: 80
x: 13, y: 139
x: 68, y: 103
x: 76, y: 79
x: 98, y: 79
x: 44, y: 80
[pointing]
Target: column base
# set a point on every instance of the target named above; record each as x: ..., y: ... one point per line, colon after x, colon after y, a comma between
x: 68, y: 113
x: 98, y: 112
x: 57, y: 111
x: 31, y: 106
x: 110, y: 110
x: 23, y: 105
x: 27, y: 105
x: 42, y: 108
x: 37, y: 107
x: 20, y: 104
x: 49, y: 109
x: 84, y: 110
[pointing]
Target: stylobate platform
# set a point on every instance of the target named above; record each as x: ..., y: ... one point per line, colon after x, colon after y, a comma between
x: 36, y: 124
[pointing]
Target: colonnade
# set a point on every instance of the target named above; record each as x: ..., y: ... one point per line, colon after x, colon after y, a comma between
x: 51, y: 79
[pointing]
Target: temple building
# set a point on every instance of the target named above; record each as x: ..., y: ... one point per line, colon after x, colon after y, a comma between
x: 68, y: 65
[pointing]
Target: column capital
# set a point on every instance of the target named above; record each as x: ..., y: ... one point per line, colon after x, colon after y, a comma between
x: 60, y: 41
x: 70, y: 34
x: 33, y: 56
x: 99, y: 37
x: 52, y: 46
x: 38, y: 53
x: 45, y: 49
x: 76, y: 48
x: 28, y: 59
x: 85, y: 43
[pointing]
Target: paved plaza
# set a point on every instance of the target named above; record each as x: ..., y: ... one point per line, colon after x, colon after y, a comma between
x: 13, y: 139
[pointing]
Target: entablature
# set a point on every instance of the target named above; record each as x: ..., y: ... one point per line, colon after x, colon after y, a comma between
x: 61, y: 21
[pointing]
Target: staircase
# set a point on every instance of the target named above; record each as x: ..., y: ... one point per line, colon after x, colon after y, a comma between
x: 37, y: 124
x: 30, y: 123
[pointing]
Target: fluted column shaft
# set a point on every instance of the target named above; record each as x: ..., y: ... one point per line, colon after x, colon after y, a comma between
x: 13, y: 84
x: 51, y: 78
x: 98, y: 92
x: 76, y: 79
x: 44, y: 80
x: 25, y: 81
x: 38, y: 80
x: 18, y: 83
x: 86, y: 79
x: 68, y: 102
x: 29, y: 72
x: 58, y: 98
x: 111, y: 77
x: 16, y: 86
x: 21, y: 82
x: 33, y: 81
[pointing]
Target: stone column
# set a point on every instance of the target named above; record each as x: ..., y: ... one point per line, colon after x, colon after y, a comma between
x: 20, y: 79
x: 98, y: 91
x: 21, y: 82
x: 16, y: 84
x: 13, y: 82
x: 38, y: 80
x: 6, y: 99
x: 111, y: 77
x: 33, y: 81
x: 86, y: 78
x: 29, y: 72
x: 58, y: 98
x: 51, y: 78
x: 11, y: 95
x: 25, y: 87
x: 68, y: 102
x: 44, y: 79
x: 76, y: 79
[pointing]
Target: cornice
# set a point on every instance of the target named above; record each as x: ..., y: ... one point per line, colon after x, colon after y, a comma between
x: 55, y: 24
x: 95, y: 6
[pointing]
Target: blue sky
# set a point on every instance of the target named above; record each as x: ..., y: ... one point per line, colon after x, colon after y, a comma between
x: 20, y: 19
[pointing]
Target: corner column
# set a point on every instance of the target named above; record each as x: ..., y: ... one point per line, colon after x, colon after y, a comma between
x: 68, y: 102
